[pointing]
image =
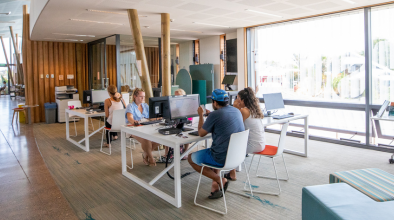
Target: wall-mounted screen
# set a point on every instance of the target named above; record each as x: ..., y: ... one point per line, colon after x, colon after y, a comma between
x: 231, y: 56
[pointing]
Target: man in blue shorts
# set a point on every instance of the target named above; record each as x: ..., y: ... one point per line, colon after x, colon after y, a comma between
x: 222, y: 122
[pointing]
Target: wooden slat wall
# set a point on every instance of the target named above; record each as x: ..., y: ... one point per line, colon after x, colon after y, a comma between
x: 152, y: 58
x: 42, y: 59
x: 111, y: 64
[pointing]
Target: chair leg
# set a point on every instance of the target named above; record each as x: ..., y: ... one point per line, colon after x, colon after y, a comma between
x: 75, y: 127
x: 109, y: 141
x: 131, y: 157
x: 258, y: 164
x: 277, y: 179
x: 198, y: 187
x: 13, y: 116
x: 91, y: 121
x: 274, y: 178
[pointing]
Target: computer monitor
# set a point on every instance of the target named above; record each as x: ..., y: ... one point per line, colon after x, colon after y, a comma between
x: 273, y: 101
x: 99, y: 96
x: 87, y: 96
x: 228, y: 80
x: 159, y: 107
x: 232, y: 96
x: 184, y: 106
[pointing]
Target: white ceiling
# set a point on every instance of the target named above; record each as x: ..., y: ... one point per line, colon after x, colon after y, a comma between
x: 55, y: 18
x: 14, y: 19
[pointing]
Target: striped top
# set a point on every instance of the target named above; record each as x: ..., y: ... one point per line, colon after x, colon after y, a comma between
x: 373, y: 182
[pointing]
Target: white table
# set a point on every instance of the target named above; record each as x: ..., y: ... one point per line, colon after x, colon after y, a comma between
x: 384, y: 118
x: 150, y: 132
x: 267, y: 121
x: 82, y: 113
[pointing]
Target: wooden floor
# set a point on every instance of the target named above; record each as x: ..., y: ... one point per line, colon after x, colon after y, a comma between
x: 95, y: 188
x: 27, y: 189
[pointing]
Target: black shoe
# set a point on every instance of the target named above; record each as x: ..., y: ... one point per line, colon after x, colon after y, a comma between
x: 216, y: 195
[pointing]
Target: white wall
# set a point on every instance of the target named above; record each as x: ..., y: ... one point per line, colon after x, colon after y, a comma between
x: 210, y: 53
x: 36, y: 7
x: 231, y: 36
x: 186, y: 55
x: 240, y: 59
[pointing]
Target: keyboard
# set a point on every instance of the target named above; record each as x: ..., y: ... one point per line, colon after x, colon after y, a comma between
x: 168, y: 131
x: 194, y: 133
x: 150, y: 122
x: 282, y: 116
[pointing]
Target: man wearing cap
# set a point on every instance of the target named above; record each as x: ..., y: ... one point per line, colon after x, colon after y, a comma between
x: 222, y: 122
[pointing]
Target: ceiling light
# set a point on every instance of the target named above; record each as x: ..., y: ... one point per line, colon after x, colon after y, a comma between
x: 264, y: 13
x: 112, y: 12
x: 146, y: 27
x: 99, y: 22
x: 185, y: 30
x: 348, y: 1
x: 217, y: 25
x: 8, y: 13
x: 77, y: 35
x: 62, y: 39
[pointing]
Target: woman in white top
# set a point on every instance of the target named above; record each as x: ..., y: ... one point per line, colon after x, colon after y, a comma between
x: 248, y: 104
x: 114, y: 102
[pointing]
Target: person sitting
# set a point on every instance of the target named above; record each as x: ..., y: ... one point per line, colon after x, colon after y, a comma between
x: 248, y: 104
x: 222, y: 122
x: 114, y: 102
x: 135, y: 112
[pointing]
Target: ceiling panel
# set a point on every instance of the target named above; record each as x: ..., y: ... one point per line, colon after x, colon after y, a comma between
x: 55, y: 18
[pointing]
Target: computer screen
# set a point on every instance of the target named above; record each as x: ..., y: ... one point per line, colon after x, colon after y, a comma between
x: 229, y: 79
x: 99, y: 96
x: 273, y: 101
x: 159, y: 107
x: 87, y: 96
x: 184, y: 106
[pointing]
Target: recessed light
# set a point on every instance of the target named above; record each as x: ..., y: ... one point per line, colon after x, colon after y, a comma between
x: 216, y: 25
x: 99, y: 22
x: 348, y: 1
x: 62, y: 39
x: 7, y: 13
x: 260, y: 12
x: 146, y: 27
x: 112, y: 12
x: 186, y: 30
x: 77, y: 35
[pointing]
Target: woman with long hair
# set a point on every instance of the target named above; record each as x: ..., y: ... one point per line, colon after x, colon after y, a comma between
x: 135, y: 112
x: 114, y: 102
x: 248, y: 104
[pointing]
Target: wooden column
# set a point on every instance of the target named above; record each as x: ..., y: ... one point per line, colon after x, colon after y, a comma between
x: 140, y: 51
x: 27, y: 61
x: 79, y: 59
x: 8, y: 64
x: 165, y: 36
x: 18, y: 63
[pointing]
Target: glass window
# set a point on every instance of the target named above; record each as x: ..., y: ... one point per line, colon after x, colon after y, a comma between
x: 382, y: 19
x: 130, y: 77
x: 318, y: 59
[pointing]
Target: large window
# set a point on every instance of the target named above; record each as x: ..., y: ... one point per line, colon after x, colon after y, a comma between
x: 313, y: 59
x: 323, y: 59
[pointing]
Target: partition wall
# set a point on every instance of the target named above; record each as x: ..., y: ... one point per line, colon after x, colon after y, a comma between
x: 338, y: 68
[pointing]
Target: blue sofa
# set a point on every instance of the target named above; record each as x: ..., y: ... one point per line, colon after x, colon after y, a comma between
x: 341, y: 201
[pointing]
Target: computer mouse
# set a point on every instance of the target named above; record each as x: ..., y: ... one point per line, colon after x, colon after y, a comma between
x: 290, y: 113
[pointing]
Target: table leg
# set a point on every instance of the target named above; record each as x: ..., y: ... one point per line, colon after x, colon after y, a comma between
x: 306, y: 135
x: 29, y: 115
x: 123, y: 150
x: 67, y: 126
x: 86, y: 121
x: 177, y: 176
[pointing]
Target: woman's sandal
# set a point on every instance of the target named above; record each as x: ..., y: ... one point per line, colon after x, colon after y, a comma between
x: 227, y: 176
x: 216, y: 195
x: 145, y: 161
x: 152, y: 164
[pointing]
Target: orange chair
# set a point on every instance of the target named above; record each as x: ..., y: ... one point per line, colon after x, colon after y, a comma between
x: 272, y: 152
x: 16, y: 110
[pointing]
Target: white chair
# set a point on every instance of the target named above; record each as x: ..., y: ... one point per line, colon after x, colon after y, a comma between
x: 77, y: 104
x: 117, y: 121
x: 235, y: 156
x: 273, y: 152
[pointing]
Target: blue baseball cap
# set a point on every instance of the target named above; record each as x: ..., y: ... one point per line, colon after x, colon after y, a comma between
x: 219, y: 95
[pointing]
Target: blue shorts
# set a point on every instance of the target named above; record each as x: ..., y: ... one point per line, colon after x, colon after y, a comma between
x: 205, y: 157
